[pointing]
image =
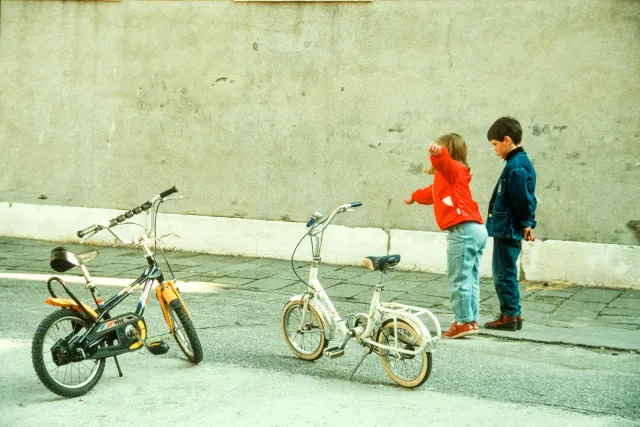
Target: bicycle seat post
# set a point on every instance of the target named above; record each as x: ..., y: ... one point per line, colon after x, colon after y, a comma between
x: 92, y: 288
x: 380, y: 285
x: 87, y: 277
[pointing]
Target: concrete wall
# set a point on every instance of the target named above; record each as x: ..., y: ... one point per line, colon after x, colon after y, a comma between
x: 270, y: 111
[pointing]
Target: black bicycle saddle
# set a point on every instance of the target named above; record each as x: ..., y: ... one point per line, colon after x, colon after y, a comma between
x: 63, y: 259
x: 382, y: 263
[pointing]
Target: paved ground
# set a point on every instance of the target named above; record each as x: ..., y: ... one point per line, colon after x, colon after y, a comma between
x: 591, y: 317
x: 218, y: 393
x: 250, y: 377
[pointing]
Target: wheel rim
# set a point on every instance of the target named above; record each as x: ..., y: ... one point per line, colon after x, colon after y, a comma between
x: 404, y: 366
x: 73, y: 374
x: 309, y: 338
x: 179, y: 333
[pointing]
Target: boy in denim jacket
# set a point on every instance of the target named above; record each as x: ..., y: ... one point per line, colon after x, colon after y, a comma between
x: 511, y: 218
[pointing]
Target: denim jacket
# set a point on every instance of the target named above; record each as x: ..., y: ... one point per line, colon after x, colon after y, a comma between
x: 513, y: 203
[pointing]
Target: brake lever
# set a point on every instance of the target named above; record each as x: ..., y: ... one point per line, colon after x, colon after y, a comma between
x: 88, y: 236
x: 166, y: 199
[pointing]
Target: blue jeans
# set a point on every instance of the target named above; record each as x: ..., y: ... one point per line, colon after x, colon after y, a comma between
x: 505, y: 274
x: 465, y: 243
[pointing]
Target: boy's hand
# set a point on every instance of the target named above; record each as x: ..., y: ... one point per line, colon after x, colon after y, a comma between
x: 408, y: 201
x: 528, y: 234
x: 434, y: 149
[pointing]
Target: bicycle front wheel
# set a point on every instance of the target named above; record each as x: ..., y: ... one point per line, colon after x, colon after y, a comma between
x: 52, y: 360
x: 185, y: 334
x: 404, y: 369
x: 303, y: 330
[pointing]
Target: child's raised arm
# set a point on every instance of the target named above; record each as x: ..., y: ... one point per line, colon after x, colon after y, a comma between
x: 443, y: 163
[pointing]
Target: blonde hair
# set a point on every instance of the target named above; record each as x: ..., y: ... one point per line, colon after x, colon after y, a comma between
x: 457, y: 147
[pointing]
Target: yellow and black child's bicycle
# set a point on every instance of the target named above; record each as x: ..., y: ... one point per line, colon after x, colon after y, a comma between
x: 71, y: 345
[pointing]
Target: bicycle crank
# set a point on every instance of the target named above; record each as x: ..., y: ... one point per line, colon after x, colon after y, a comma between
x: 156, y: 348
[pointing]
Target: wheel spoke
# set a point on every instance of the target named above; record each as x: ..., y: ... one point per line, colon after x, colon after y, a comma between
x: 306, y: 339
x: 69, y: 375
x: 182, y: 334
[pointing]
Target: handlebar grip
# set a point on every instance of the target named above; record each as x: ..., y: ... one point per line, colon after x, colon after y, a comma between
x: 139, y: 209
x: 82, y: 233
x: 170, y: 191
x: 312, y: 221
x: 135, y: 211
x: 129, y: 214
x: 356, y: 204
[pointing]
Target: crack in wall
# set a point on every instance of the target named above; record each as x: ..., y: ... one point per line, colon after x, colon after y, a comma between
x: 388, y: 232
x: 449, y: 43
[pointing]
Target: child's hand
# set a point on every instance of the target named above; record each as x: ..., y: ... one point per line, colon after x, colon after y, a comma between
x: 434, y: 149
x: 528, y: 234
x: 408, y: 201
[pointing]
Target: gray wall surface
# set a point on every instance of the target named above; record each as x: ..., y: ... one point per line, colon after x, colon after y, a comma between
x: 272, y: 110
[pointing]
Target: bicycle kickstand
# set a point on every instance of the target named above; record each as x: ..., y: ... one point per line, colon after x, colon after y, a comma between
x: 118, y: 366
x: 365, y: 353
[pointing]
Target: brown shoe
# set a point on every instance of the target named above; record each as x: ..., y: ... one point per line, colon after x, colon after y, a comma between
x: 503, y: 323
x: 458, y: 330
x: 518, y: 322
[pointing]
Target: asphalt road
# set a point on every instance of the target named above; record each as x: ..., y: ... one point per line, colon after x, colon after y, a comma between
x: 248, y: 370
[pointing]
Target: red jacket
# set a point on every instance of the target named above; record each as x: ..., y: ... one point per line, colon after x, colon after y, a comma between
x: 450, y: 194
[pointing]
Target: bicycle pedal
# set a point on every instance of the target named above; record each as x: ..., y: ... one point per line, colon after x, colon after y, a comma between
x: 159, y: 347
x: 333, y: 352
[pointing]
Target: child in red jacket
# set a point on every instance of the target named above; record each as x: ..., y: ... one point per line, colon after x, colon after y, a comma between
x: 457, y: 213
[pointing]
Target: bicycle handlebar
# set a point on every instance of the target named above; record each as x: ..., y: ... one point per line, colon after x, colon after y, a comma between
x: 317, y: 231
x: 318, y: 215
x: 130, y: 213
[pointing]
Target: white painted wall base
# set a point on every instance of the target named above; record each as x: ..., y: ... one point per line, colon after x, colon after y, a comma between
x: 588, y: 264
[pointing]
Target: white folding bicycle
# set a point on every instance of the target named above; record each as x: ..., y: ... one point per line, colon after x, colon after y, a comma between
x: 393, y: 331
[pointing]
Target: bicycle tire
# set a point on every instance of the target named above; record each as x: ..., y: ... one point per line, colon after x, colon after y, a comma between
x: 188, y: 341
x: 390, y: 360
x: 314, y: 327
x: 50, y: 381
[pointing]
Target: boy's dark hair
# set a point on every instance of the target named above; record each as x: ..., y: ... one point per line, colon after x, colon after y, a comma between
x: 505, y: 126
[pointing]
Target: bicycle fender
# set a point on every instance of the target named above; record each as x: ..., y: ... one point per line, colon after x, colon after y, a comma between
x: 416, y: 324
x: 171, y: 296
x: 410, y: 322
x: 324, y: 314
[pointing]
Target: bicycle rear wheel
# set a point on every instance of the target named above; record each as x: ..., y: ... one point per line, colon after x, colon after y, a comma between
x: 52, y: 361
x: 307, y: 341
x: 406, y: 370
x: 185, y: 334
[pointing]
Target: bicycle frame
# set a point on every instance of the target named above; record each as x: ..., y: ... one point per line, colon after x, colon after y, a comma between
x: 378, y: 311
x: 100, y: 321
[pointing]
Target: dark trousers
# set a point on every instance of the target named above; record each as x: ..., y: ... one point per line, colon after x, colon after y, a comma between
x: 505, y: 274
